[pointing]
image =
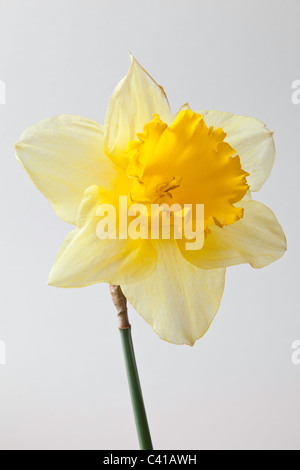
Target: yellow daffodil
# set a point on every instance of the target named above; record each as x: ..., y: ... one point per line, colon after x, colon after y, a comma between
x: 150, y: 156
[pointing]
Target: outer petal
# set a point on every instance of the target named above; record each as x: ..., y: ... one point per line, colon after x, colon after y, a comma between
x: 134, y: 101
x: 178, y: 299
x: 251, y: 139
x: 64, y: 156
x: 257, y: 239
x: 84, y: 259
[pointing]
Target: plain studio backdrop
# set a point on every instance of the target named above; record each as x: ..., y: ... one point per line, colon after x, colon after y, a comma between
x: 64, y: 384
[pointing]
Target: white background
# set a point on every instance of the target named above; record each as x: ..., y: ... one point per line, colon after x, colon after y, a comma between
x: 64, y: 384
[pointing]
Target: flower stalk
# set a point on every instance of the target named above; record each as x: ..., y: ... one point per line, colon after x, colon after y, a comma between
x: 138, y: 406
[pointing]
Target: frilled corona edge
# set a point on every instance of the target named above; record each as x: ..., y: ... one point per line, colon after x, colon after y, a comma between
x: 120, y: 302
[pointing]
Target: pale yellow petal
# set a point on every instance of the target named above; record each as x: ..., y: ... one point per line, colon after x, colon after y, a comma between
x: 134, y: 101
x: 63, y: 156
x: 251, y: 139
x: 84, y: 259
x: 178, y: 300
x: 257, y: 239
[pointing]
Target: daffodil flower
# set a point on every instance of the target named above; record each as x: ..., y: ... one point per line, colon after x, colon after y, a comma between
x: 147, y: 154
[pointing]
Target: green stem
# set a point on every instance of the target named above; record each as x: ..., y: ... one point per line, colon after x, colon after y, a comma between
x: 135, y: 390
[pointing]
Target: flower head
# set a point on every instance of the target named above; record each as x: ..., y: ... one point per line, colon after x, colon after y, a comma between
x: 144, y: 155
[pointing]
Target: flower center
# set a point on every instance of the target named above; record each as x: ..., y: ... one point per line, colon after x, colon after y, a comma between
x: 189, y: 163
